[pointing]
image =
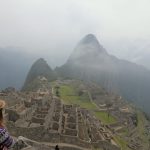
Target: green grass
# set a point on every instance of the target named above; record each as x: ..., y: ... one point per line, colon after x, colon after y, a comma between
x: 140, y: 131
x: 103, y: 116
x: 125, y: 132
x: 70, y: 96
x: 141, y: 128
x: 141, y: 122
x: 122, y: 143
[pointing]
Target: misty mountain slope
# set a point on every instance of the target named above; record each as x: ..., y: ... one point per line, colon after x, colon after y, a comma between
x: 137, y: 51
x: 91, y: 62
x: 14, y: 65
x: 39, y: 68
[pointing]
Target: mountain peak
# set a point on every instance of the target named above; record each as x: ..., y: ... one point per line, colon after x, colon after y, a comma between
x: 89, y: 38
x: 41, y: 60
x: 89, y: 46
x: 39, y: 68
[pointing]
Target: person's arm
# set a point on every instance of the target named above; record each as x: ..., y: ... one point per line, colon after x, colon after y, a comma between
x: 5, y: 139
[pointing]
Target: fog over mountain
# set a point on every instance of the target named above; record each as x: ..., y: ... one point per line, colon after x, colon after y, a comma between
x: 51, y: 28
x: 75, y: 74
x: 137, y: 51
x: 91, y: 62
x: 15, y: 63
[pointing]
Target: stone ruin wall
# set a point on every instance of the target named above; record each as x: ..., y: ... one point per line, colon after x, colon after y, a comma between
x: 66, y: 124
x: 43, y: 136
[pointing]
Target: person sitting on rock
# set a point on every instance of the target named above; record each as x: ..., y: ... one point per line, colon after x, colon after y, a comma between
x: 6, y: 141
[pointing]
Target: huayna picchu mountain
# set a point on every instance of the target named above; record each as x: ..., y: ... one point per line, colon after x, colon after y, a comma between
x: 39, y: 69
x: 91, y: 62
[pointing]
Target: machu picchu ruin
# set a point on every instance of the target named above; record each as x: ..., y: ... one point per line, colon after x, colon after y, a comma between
x: 45, y: 118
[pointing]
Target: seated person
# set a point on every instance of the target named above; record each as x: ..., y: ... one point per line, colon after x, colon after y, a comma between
x: 6, y: 141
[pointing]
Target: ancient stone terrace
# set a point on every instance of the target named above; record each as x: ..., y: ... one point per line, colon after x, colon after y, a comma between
x: 52, y: 121
x: 69, y: 120
x: 18, y: 111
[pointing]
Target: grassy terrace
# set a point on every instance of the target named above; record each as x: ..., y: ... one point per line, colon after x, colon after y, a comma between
x: 70, y: 96
x: 141, y: 128
x: 122, y: 143
x: 103, y: 116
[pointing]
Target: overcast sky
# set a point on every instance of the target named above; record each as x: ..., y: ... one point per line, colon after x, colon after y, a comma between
x: 53, y: 27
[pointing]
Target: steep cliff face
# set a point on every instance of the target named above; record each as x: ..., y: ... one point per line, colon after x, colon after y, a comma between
x: 39, y: 69
x: 91, y: 62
